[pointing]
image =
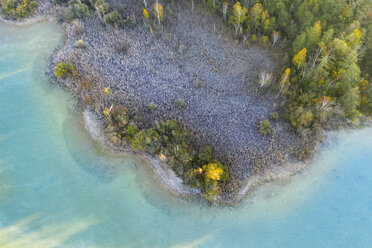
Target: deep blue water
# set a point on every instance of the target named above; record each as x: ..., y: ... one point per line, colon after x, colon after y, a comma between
x: 58, y: 189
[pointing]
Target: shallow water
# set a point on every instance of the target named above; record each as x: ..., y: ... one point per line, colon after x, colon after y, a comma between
x: 58, y: 189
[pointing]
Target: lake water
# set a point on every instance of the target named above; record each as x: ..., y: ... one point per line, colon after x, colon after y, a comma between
x: 58, y: 189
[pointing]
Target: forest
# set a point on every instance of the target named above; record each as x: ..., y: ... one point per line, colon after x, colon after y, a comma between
x: 325, y: 81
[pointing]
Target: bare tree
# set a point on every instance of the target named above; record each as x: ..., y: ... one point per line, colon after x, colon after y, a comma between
x: 265, y: 78
x: 275, y: 37
x: 225, y: 7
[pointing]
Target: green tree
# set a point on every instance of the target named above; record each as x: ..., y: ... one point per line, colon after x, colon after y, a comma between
x: 76, y: 10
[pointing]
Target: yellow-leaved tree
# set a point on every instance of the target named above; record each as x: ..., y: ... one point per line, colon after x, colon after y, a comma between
x: 240, y: 15
x: 158, y: 11
x: 318, y: 28
x: 213, y: 173
x: 357, y: 34
x: 300, y: 58
x: 146, y: 14
x: 284, y: 81
x: 354, y: 38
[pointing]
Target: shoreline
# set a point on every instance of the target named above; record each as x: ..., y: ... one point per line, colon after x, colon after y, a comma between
x: 244, y: 151
x: 173, y: 184
x: 164, y: 175
x: 283, y: 169
x: 31, y: 21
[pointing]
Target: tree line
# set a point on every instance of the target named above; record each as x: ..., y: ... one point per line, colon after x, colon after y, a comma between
x: 326, y: 79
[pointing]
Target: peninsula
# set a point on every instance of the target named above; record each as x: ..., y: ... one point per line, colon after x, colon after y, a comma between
x: 226, y: 94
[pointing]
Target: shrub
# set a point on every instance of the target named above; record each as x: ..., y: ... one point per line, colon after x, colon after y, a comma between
x: 264, y: 127
x: 85, y: 85
x: 265, y: 40
x: 301, y: 117
x: 205, y: 155
x: 131, y: 133
x: 180, y: 160
x: 114, y: 18
x: 173, y: 133
x: 304, y: 153
x: 77, y: 30
x: 80, y: 44
x: 130, y: 22
x: 254, y: 38
x: 119, y: 116
x: 88, y: 100
x: 123, y: 47
x: 64, y: 70
x: 76, y: 10
x: 180, y: 103
x: 139, y: 141
x: 59, y: 1
x: 274, y: 116
x: 199, y: 83
x: 147, y: 140
x: 122, y: 8
x: 152, y: 106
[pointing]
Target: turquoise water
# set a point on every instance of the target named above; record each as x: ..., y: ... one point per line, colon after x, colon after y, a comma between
x: 58, y: 189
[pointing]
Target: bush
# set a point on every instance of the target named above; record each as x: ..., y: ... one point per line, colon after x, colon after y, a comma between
x: 180, y: 103
x: 88, y: 100
x: 80, y: 44
x: 274, y: 116
x: 152, y: 106
x: 123, y: 47
x: 131, y: 133
x: 147, y: 140
x: 18, y: 8
x: 264, y: 127
x: 130, y: 21
x: 76, y: 10
x: 205, y: 155
x: 254, y: 38
x: 114, y: 19
x: 119, y: 116
x: 59, y: 1
x: 265, y: 40
x: 64, y: 70
x: 180, y: 161
x: 300, y: 117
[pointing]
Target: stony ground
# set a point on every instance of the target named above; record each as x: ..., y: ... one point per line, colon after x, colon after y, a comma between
x: 193, y: 56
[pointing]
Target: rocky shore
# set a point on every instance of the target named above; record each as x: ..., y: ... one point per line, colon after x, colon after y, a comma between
x: 192, y: 56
